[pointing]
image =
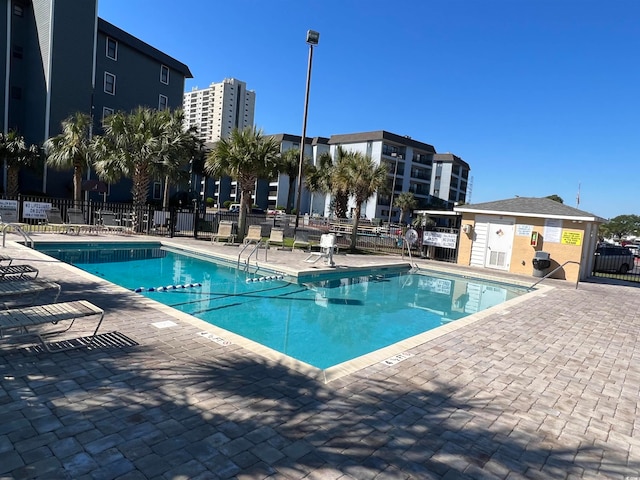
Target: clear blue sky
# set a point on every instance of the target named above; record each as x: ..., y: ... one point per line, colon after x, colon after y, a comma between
x: 538, y: 96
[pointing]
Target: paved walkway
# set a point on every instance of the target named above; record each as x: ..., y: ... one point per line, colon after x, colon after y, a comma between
x: 546, y: 388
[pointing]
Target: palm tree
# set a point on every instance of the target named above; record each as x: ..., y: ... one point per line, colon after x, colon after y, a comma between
x: 15, y: 152
x: 360, y: 177
x: 179, y: 146
x: 289, y: 165
x: 140, y: 145
x: 406, y: 201
x: 72, y: 149
x: 322, y: 179
x: 245, y: 156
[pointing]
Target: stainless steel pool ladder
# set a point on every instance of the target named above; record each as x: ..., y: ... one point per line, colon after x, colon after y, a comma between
x: 18, y: 229
x: 255, y: 250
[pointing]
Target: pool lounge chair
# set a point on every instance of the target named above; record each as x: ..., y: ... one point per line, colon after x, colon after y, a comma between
x: 18, y: 272
x: 78, y: 224
x: 9, y: 215
x: 301, y: 240
x: 327, y: 248
x: 276, y: 237
x: 254, y: 235
x: 109, y: 222
x: 225, y: 231
x: 21, y: 291
x: 54, y: 220
x: 17, y: 324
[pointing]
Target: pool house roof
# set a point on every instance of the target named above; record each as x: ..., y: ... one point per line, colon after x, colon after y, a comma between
x: 530, y: 207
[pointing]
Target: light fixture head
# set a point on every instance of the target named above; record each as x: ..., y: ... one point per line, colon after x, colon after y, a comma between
x: 312, y: 37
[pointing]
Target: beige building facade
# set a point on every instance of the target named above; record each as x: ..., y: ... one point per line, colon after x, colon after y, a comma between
x: 508, y: 235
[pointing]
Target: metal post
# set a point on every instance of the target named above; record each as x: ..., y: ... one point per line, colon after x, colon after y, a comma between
x: 393, y: 188
x: 312, y: 39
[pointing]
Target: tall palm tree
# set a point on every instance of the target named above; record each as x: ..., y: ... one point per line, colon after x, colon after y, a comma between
x: 15, y: 152
x: 72, y: 149
x: 406, y: 201
x: 245, y: 156
x: 360, y: 177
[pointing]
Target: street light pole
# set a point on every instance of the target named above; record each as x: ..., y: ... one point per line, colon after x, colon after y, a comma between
x: 312, y: 39
x: 393, y: 188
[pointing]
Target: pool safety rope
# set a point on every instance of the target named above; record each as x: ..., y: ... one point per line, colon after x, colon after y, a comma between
x: 265, y: 279
x: 167, y: 288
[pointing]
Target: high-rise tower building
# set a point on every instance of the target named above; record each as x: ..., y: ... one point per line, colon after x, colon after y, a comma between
x: 219, y: 108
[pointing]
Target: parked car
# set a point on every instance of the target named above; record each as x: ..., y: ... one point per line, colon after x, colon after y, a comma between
x: 635, y: 249
x: 613, y: 258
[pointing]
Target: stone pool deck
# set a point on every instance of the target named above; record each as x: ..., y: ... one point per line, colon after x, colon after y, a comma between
x: 547, y: 387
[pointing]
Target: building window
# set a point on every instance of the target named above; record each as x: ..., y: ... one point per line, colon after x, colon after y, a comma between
x: 109, y: 83
x: 163, y: 102
x: 106, y: 111
x: 16, y: 93
x: 164, y: 75
x: 157, y: 190
x: 17, y: 51
x: 112, y: 49
x: 18, y: 10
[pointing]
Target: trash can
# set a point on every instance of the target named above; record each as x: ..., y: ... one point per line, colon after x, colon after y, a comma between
x: 541, y: 264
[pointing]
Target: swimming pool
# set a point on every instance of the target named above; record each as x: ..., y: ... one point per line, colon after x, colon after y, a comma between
x: 323, y: 322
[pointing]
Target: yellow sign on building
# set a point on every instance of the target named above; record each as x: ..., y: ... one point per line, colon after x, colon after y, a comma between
x: 571, y: 237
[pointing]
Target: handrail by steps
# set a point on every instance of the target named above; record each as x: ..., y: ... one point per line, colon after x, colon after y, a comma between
x: 255, y: 250
x: 18, y: 229
x: 556, y: 269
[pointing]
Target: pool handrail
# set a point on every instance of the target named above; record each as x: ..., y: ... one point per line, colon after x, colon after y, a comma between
x: 256, y: 249
x: 558, y: 268
x: 27, y: 239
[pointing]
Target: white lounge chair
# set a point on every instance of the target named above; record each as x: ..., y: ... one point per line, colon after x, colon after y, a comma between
x: 327, y: 247
x: 17, y: 324
x: 276, y: 237
x: 225, y: 231
x: 254, y: 235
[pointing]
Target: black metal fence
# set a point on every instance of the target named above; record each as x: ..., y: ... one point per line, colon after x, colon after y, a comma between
x: 203, y: 224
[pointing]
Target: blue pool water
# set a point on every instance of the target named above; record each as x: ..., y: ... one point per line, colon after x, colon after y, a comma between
x: 322, y: 323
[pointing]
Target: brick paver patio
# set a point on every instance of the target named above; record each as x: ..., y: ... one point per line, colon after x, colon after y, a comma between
x: 546, y: 388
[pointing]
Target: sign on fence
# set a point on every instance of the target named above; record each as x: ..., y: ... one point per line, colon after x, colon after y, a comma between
x: 440, y: 239
x: 35, y: 210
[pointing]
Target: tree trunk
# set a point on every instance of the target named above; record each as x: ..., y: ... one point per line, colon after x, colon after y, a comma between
x: 341, y: 205
x: 13, y: 186
x: 355, y: 222
x: 242, y: 215
x: 165, y: 195
x: 290, y: 195
x: 77, y: 186
x: 140, y: 188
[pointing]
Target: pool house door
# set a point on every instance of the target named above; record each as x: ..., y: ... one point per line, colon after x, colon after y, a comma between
x: 499, y: 243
